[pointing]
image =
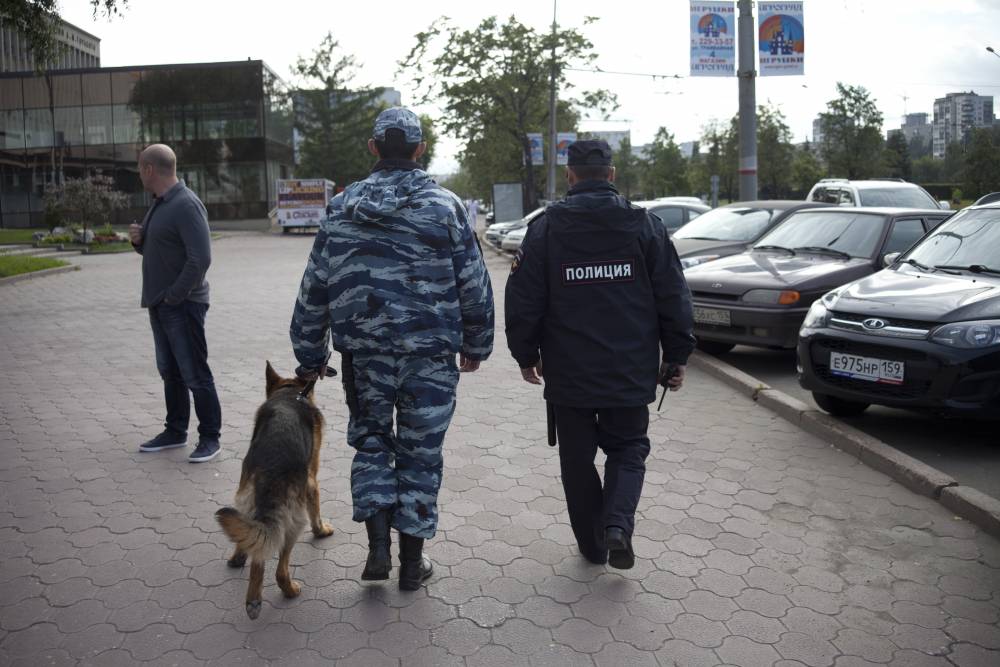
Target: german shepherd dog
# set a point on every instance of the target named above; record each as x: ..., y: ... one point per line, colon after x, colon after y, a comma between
x: 278, y: 486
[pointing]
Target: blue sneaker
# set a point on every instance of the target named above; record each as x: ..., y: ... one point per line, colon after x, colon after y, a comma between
x: 205, y: 451
x: 165, y: 440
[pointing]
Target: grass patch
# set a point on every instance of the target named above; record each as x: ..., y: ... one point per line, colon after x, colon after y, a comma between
x: 104, y: 248
x: 12, y: 265
x: 8, y: 236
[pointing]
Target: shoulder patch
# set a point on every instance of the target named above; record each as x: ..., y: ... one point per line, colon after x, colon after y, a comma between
x: 516, y: 264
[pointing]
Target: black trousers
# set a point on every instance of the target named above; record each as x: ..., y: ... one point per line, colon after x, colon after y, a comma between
x: 621, y: 435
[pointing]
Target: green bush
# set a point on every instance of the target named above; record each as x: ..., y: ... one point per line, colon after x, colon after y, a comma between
x: 56, y: 239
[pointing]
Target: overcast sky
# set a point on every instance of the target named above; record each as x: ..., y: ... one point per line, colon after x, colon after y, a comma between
x: 920, y: 49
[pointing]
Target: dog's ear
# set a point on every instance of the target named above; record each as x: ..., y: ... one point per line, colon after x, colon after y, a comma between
x: 272, y: 379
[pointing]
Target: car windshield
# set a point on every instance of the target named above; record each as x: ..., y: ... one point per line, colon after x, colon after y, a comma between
x: 908, y: 197
x: 727, y: 224
x: 971, y: 237
x: 855, y: 233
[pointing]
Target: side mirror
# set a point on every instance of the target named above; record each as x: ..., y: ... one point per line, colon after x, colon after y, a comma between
x: 890, y: 258
x: 944, y: 204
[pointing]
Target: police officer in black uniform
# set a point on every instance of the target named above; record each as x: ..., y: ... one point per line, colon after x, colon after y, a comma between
x: 596, y: 297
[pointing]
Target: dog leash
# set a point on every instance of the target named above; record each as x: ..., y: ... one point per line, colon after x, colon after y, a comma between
x: 311, y: 384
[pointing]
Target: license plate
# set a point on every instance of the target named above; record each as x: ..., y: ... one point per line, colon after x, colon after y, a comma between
x: 711, y: 316
x: 867, y: 368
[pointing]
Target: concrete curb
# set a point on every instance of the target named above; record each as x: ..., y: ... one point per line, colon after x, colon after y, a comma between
x: 38, y: 274
x: 966, y: 502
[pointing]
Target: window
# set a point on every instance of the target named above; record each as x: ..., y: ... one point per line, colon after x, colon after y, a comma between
x: 12, y: 130
x: 97, y: 125
x: 672, y: 216
x: 846, y: 198
x: 855, y: 233
x: 904, y: 234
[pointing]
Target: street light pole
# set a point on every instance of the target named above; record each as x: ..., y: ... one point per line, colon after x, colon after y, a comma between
x: 748, y: 103
x: 990, y: 49
x: 551, y: 180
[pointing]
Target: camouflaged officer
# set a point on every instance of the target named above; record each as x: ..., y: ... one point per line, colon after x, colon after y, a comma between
x: 396, y: 277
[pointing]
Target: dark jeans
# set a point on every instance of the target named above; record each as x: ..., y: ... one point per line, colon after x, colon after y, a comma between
x: 621, y: 435
x: 182, y: 359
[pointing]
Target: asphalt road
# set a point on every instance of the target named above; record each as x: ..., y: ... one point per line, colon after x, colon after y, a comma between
x: 968, y: 451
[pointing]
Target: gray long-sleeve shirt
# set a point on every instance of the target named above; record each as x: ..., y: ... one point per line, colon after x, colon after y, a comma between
x: 176, y: 249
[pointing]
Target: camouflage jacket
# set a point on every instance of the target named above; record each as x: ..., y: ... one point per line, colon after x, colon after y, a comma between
x: 395, y: 268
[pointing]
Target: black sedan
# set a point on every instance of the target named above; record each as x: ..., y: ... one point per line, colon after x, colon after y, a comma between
x: 731, y: 229
x: 922, y: 334
x: 761, y: 296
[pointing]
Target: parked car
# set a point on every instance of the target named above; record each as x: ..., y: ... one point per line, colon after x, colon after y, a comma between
x: 496, y: 232
x: 876, y: 192
x: 988, y: 199
x: 731, y: 229
x: 922, y: 334
x: 513, y: 240
x: 761, y: 296
x: 674, y: 214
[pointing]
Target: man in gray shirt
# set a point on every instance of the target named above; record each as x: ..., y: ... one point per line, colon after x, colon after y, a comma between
x: 174, y: 242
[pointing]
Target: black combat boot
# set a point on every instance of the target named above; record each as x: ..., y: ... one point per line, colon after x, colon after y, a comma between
x: 379, y: 559
x: 414, y: 567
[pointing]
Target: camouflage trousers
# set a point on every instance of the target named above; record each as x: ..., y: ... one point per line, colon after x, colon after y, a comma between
x: 399, y: 468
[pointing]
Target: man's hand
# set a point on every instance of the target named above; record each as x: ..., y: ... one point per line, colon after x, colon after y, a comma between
x: 675, y: 382
x: 533, y: 374
x: 466, y: 365
x: 311, y: 374
x: 135, y: 234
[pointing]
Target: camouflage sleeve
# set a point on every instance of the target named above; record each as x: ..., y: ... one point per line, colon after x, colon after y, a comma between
x: 311, y: 318
x: 475, y: 293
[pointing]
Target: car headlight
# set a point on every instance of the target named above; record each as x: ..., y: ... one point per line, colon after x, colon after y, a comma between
x: 968, y: 335
x: 817, y: 317
x: 688, y: 262
x: 772, y: 297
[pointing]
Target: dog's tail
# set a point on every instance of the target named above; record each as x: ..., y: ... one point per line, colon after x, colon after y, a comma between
x: 254, y: 538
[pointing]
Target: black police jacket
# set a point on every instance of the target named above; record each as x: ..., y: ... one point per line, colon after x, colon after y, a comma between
x: 597, y: 291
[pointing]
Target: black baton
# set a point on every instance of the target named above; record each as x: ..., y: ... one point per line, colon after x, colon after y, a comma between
x: 550, y: 419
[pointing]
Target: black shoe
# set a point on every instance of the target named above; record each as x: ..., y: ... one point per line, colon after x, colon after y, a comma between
x: 165, y: 440
x: 414, y: 567
x: 620, y: 554
x: 205, y: 451
x: 379, y: 539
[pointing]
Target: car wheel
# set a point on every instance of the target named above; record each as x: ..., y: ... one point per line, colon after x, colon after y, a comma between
x: 714, y: 347
x: 838, y: 407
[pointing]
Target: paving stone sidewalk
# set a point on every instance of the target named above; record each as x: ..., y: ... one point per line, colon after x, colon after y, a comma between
x: 757, y: 543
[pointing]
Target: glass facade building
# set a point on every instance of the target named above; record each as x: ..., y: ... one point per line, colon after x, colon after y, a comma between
x: 230, y: 128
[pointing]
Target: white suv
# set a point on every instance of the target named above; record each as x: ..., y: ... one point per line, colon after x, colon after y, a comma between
x: 876, y: 192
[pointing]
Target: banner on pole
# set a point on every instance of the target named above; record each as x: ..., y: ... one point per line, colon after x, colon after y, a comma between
x: 564, y: 139
x: 713, y: 38
x: 537, y: 153
x: 780, y: 38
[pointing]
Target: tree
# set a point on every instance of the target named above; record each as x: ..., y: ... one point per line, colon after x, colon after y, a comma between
x: 775, y: 153
x: 86, y: 201
x: 852, y: 133
x: 927, y: 169
x: 806, y: 170
x: 493, y: 81
x: 38, y: 20
x: 333, y: 122
x: 897, y: 157
x: 627, y: 168
x: 982, y: 162
x: 711, y: 158
x: 666, y: 169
